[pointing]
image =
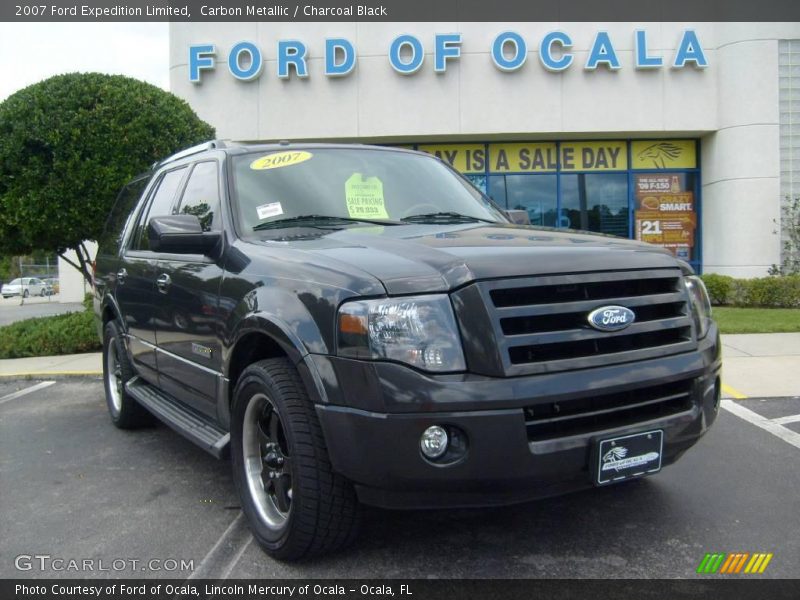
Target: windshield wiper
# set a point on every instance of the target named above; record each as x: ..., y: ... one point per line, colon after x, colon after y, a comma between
x: 438, y: 217
x: 311, y: 219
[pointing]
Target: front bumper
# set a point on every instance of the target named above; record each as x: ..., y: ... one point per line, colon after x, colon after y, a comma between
x: 376, y: 412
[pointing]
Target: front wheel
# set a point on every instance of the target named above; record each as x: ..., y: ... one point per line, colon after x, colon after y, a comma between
x: 25, y: 294
x: 297, y: 506
x: 125, y: 412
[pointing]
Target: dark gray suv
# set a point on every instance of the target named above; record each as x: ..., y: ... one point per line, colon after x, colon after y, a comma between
x: 356, y: 324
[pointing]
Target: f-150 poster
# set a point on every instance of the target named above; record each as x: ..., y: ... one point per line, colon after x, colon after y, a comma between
x: 665, y: 213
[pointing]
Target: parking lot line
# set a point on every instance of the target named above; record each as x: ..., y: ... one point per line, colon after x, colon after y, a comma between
x: 226, y: 552
x: 787, y: 435
x: 25, y: 391
x: 732, y: 392
x: 787, y: 419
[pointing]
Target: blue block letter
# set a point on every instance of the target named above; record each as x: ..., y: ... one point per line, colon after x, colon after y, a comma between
x: 201, y: 57
x: 291, y: 52
x: 235, y: 61
x: 602, y: 52
x: 520, y: 51
x: 347, y: 64
x: 546, y: 51
x: 417, y: 54
x: 447, y: 45
x: 690, y: 51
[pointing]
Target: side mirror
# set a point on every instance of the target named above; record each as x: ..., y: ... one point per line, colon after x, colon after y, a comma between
x: 518, y: 217
x: 180, y: 234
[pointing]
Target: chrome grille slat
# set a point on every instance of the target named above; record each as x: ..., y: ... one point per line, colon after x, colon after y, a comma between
x: 585, y: 305
x: 539, y: 333
x: 576, y: 335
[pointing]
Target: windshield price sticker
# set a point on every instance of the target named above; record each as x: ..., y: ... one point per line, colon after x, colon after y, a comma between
x: 280, y: 159
x: 273, y: 209
x: 364, y: 197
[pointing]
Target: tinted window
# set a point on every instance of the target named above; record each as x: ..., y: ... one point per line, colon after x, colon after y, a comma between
x: 350, y: 183
x: 120, y: 213
x: 201, y: 197
x: 160, y: 205
x: 595, y: 202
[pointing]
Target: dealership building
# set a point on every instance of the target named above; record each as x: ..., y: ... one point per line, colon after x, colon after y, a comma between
x: 685, y: 135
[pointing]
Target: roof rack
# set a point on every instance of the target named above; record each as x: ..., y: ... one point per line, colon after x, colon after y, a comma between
x: 211, y: 145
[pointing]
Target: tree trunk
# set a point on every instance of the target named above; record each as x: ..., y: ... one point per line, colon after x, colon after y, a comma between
x: 83, y: 264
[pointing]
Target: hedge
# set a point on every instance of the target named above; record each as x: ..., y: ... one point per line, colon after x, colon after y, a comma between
x: 72, y: 333
x: 764, y: 292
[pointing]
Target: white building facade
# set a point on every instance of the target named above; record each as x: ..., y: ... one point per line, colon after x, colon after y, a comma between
x: 685, y: 135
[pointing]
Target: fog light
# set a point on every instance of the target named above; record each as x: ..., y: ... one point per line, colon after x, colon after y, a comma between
x: 433, y: 442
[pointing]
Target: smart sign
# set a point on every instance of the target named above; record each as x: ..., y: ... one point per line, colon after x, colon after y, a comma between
x: 408, y: 53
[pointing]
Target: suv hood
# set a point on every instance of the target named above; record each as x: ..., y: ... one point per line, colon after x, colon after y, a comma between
x: 435, y: 258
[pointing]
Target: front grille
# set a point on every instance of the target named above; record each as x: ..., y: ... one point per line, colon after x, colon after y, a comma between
x: 595, y: 413
x: 541, y: 322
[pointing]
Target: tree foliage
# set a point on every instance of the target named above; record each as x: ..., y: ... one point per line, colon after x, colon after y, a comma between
x: 67, y: 146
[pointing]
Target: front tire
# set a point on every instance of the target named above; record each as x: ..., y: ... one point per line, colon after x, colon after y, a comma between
x: 125, y: 412
x: 297, y: 506
x: 25, y: 294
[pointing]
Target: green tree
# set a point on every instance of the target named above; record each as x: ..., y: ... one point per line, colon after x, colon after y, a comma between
x: 789, y: 229
x: 67, y: 146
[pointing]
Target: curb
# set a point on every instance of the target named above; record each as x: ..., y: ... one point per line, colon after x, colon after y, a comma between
x: 51, y: 375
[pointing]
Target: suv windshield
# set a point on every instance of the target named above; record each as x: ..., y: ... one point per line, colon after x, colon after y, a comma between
x: 353, y: 185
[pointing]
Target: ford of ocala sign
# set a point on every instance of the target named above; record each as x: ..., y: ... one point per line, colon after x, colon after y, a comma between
x: 406, y: 54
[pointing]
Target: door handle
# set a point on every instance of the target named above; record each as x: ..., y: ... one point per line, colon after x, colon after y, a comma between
x: 121, y: 275
x: 163, y: 282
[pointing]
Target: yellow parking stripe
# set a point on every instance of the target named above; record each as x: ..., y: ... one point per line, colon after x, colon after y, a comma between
x: 732, y: 392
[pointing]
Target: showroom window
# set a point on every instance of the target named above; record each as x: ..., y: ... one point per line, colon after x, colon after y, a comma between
x: 638, y: 189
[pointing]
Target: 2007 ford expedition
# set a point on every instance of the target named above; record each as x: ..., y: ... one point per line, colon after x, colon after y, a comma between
x: 357, y: 324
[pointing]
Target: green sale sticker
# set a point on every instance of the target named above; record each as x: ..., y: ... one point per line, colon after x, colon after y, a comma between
x: 364, y: 197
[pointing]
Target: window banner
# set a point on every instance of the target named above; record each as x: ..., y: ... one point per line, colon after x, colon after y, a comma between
x: 665, y: 213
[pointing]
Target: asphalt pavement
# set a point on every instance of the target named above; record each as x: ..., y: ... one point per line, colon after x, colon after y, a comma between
x: 11, y: 310
x: 74, y: 487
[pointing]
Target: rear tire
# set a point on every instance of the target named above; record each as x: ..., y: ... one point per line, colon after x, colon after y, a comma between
x: 125, y: 412
x: 297, y: 506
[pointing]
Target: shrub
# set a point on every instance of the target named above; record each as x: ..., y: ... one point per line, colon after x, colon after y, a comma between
x: 765, y: 292
x: 71, y: 333
x: 719, y: 287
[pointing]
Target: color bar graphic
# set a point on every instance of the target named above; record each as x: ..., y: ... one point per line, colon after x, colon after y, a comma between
x: 734, y: 563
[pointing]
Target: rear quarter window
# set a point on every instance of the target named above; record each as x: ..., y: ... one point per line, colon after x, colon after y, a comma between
x: 122, y: 211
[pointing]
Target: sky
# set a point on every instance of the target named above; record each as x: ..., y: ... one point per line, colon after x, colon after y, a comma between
x: 31, y: 52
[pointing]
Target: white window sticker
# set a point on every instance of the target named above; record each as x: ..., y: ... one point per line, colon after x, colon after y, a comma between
x: 273, y: 209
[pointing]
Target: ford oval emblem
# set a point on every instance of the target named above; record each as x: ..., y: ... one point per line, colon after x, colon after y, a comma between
x: 611, y: 318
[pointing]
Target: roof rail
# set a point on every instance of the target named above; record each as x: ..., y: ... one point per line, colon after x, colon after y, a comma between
x: 211, y: 145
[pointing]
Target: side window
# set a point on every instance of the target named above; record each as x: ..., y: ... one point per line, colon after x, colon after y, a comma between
x: 160, y: 205
x: 123, y: 208
x: 201, y: 197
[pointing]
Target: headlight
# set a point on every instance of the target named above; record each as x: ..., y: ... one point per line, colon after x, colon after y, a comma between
x: 701, y: 305
x: 420, y: 331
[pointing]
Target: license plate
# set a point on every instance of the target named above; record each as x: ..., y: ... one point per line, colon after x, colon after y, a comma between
x: 628, y: 456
